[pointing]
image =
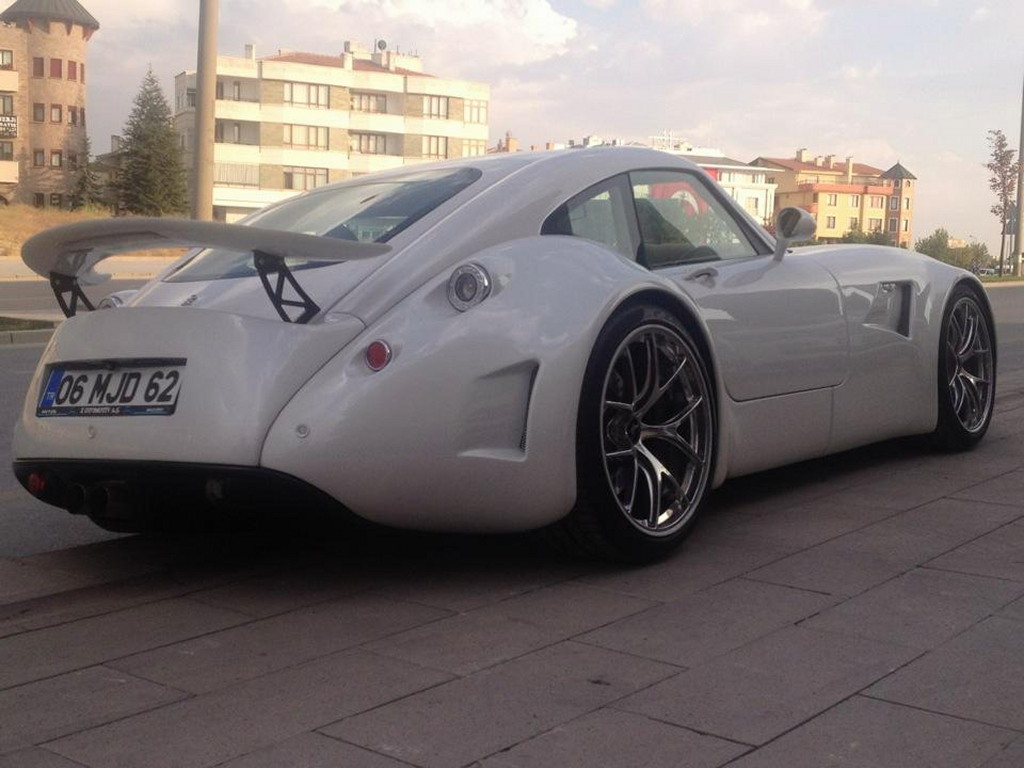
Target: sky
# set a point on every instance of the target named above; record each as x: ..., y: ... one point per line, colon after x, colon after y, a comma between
x: 915, y: 81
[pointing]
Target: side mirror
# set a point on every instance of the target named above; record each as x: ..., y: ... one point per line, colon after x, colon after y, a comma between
x: 792, y: 224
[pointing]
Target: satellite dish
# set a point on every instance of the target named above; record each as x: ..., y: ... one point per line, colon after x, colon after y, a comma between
x: 382, y: 45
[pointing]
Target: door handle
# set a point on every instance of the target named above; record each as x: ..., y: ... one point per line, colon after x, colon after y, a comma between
x: 703, y: 272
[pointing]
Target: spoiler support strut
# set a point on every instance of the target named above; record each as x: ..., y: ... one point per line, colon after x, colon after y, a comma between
x: 269, y: 264
x: 68, y: 284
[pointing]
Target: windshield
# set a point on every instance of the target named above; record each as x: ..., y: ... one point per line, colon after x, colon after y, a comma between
x: 371, y: 212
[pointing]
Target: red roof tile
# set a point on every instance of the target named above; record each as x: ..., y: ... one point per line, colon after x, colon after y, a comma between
x: 790, y: 163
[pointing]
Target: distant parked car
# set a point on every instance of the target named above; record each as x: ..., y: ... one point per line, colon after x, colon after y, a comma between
x: 587, y: 341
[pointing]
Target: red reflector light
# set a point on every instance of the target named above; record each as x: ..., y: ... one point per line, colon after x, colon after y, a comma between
x: 36, y: 483
x: 378, y: 355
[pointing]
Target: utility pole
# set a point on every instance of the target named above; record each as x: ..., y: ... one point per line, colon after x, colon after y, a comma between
x: 1018, y: 239
x: 206, y: 93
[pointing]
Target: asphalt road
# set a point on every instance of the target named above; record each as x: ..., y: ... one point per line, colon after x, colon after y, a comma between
x: 28, y: 526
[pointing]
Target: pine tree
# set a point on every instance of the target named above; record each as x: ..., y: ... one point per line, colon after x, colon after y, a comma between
x: 152, y: 179
x: 86, y: 189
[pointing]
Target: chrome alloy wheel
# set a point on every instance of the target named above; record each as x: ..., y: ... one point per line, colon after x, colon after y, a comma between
x: 657, y: 429
x: 969, y: 364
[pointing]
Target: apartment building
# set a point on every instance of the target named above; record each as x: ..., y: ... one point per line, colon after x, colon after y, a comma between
x: 296, y: 121
x: 42, y: 99
x: 845, y: 196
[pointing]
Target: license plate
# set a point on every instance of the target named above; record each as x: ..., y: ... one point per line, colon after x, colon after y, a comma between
x: 112, y: 388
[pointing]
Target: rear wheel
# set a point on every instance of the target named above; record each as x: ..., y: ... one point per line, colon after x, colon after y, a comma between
x: 966, y: 371
x: 645, y: 439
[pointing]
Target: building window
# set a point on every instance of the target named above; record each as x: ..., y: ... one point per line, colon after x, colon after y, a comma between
x: 306, y: 136
x: 906, y: 203
x: 219, y: 91
x: 236, y: 90
x: 73, y: 161
x: 833, y: 199
x: 6, y: 103
x: 56, y: 200
x: 39, y: 200
x: 38, y: 66
x: 6, y: 150
x: 893, y: 223
x: 72, y: 115
x: 874, y: 225
x: 81, y: 72
x: 894, y: 203
x: 190, y: 98
x: 38, y: 112
x: 435, y: 106
x: 855, y: 201
x: 56, y: 113
x: 72, y: 70
x: 6, y: 59
x: 304, y: 178
x: 474, y: 147
x: 435, y: 147
x: 57, y: 68
x: 307, y: 95
x: 56, y: 158
x: 38, y: 158
x: 830, y: 222
x: 369, y: 102
x: 367, y: 143
x: 877, y: 201
x: 475, y: 111
x: 854, y: 223
x: 906, y: 225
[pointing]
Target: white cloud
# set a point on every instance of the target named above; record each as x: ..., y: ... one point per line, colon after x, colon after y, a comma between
x: 119, y: 15
x: 742, y: 18
x: 981, y: 13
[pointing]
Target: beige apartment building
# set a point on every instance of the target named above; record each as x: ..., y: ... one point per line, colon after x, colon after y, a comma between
x: 296, y: 121
x: 42, y: 99
x: 845, y: 196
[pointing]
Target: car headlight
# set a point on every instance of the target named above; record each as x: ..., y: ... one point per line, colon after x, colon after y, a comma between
x: 468, y: 286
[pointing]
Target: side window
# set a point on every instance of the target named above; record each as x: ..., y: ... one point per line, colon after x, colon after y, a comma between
x: 600, y: 213
x: 681, y: 221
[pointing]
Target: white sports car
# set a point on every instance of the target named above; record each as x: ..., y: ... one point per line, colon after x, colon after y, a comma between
x: 587, y: 341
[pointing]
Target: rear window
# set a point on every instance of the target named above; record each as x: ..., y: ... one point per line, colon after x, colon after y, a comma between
x: 373, y: 211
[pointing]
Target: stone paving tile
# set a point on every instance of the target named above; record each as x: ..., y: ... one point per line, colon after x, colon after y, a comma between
x: 793, y: 528
x: 211, y: 729
x: 1014, y: 610
x: 708, y: 624
x: 997, y: 554
x: 763, y: 689
x: 693, y: 567
x: 219, y: 659
x: 484, y: 637
x: 35, y: 758
x: 37, y: 712
x: 863, y: 733
x: 52, y: 651
x: 1007, y: 488
x: 907, y: 487
x: 22, y: 581
x: 1011, y: 757
x: 978, y: 676
x: 268, y: 594
x: 462, y: 586
x: 477, y: 716
x: 619, y: 739
x: 922, y: 608
x: 313, y: 750
x: 870, y: 556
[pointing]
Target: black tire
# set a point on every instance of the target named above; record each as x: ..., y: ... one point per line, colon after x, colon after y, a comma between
x: 966, y: 377
x: 645, y: 440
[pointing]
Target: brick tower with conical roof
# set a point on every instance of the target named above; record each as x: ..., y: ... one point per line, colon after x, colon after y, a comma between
x: 42, y: 99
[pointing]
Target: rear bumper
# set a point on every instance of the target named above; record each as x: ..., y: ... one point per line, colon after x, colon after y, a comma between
x: 142, y: 492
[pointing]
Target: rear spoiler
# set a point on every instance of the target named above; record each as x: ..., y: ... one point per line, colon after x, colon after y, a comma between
x: 67, y: 255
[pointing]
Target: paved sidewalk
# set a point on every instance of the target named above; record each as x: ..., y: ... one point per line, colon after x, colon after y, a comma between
x: 865, y: 610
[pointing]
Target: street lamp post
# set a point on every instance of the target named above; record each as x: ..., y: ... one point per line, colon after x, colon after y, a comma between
x: 206, y: 92
x: 1018, y: 238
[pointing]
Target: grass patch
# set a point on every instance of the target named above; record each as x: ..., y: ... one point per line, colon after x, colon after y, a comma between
x: 12, y: 324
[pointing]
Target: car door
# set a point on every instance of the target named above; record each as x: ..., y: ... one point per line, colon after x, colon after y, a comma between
x: 777, y: 325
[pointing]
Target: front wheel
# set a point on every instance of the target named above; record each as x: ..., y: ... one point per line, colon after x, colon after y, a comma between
x: 645, y: 439
x: 966, y: 371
